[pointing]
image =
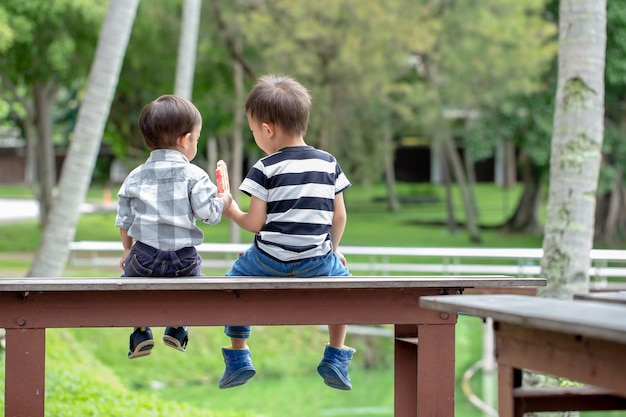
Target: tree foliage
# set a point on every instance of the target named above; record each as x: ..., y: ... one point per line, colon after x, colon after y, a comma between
x: 372, y: 68
x: 47, y: 45
x: 53, y: 250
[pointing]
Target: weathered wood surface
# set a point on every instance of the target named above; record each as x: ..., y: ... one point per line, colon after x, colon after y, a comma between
x: 260, y: 283
x: 580, y: 340
x: 618, y: 297
x: 585, y: 318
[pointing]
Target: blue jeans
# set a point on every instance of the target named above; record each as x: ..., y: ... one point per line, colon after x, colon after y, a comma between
x: 146, y: 261
x: 254, y: 263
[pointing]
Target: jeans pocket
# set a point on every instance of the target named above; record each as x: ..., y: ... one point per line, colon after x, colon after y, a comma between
x: 134, y: 268
x: 191, y: 269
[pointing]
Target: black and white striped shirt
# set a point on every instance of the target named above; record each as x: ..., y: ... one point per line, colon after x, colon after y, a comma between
x: 299, y: 184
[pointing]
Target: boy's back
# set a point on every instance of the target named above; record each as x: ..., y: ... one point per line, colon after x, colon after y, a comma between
x: 299, y: 184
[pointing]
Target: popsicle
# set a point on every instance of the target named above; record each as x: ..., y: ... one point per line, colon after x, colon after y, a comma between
x: 221, y: 177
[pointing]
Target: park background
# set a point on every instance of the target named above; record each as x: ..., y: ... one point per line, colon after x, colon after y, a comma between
x: 440, y: 112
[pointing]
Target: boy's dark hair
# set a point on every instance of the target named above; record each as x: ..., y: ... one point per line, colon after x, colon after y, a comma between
x: 280, y: 100
x: 166, y: 119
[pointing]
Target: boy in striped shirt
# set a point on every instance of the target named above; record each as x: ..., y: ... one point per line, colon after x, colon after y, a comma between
x: 297, y: 212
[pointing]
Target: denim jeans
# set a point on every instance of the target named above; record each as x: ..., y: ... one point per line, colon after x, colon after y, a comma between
x: 254, y: 263
x: 146, y: 261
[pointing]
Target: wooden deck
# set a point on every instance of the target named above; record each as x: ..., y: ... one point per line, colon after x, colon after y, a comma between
x: 29, y: 306
x: 580, y: 340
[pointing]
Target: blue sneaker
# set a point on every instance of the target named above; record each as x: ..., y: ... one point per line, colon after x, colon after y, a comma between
x: 141, y: 343
x: 334, y: 367
x: 176, y: 337
x: 239, y: 367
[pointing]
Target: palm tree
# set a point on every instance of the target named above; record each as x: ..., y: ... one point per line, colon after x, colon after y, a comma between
x: 60, y: 228
x: 578, y: 130
x: 186, y: 63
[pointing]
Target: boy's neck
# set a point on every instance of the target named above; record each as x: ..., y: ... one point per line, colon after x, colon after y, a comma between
x: 288, y: 141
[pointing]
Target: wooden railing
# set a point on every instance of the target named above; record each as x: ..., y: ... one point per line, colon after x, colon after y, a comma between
x: 423, y: 378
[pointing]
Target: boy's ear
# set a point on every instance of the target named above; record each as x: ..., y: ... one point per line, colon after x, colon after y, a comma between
x: 268, y: 128
x: 183, y: 140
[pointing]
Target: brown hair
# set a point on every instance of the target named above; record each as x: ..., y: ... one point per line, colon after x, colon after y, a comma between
x: 280, y: 100
x: 166, y: 119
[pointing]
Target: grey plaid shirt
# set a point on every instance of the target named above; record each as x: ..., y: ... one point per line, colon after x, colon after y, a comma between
x: 160, y: 201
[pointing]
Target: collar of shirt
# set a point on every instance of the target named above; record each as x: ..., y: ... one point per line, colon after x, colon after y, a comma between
x: 167, y: 155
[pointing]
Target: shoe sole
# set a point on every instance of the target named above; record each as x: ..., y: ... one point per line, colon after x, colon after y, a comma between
x: 142, y: 349
x: 173, y: 343
x: 238, y: 378
x: 333, y: 378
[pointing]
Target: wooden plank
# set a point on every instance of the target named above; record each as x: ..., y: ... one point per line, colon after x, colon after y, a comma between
x: 260, y: 283
x: 212, y: 308
x: 618, y: 297
x: 591, y: 361
x: 575, y: 398
x: 584, y: 318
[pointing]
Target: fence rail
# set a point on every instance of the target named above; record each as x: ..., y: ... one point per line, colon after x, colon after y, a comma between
x: 607, y: 271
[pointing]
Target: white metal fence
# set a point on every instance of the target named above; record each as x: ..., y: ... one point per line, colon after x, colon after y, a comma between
x: 608, y: 267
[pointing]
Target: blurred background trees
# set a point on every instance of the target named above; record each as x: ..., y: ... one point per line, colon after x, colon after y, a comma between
x: 472, y: 82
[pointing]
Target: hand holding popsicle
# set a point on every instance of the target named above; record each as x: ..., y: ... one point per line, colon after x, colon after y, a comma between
x: 221, y: 177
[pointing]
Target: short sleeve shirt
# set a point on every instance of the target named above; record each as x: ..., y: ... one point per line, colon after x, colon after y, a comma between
x: 299, y: 185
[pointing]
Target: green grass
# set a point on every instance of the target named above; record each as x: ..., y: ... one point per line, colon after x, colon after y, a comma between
x: 369, y: 221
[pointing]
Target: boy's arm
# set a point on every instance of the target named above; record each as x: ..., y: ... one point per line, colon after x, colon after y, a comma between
x: 340, y: 218
x: 127, y: 242
x: 253, y: 220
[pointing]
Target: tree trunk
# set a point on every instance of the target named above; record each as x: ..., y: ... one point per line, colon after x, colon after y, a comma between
x: 390, y: 177
x: 447, y: 181
x: 238, y: 126
x: 186, y: 62
x: 77, y: 170
x: 609, y: 212
x: 470, y: 172
x: 576, y: 147
x: 46, y: 173
x: 525, y: 218
x: 471, y: 221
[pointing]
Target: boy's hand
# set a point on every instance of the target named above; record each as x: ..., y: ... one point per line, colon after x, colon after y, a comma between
x: 123, y: 259
x: 342, y: 258
x: 221, y: 177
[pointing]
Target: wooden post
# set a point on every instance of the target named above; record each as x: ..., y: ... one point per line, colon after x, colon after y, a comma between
x: 24, y: 388
x: 405, y: 371
x: 435, y: 379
